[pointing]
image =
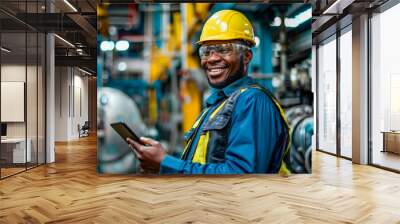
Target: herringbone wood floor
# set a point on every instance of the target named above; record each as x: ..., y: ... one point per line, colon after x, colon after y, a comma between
x: 70, y: 191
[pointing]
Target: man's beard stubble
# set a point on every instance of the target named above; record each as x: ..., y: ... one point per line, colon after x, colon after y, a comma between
x: 231, y: 78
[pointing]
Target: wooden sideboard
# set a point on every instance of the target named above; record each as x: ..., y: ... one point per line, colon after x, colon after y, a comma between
x: 391, y: 141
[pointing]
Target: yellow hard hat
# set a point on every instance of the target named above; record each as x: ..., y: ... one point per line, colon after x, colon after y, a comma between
x: 227, y: 25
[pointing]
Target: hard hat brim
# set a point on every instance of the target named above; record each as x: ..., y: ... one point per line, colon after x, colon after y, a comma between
x: 223, y: 37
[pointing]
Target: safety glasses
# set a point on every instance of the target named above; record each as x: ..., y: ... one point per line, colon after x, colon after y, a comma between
x: 205, y: 51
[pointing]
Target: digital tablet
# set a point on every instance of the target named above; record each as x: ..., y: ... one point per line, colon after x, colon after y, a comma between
x: 125, y: 132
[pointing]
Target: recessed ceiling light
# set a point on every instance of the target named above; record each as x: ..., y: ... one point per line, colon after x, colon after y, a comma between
x: 84, y: 71
x: 64, y: 40
x: 70, y: 5
x: 5, y: 49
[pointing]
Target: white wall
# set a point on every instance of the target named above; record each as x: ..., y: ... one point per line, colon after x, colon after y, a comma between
x: 71, y: 94
x: 80, y: 100
x: 61, y: 103
x: 13, y: 73
x: 13, y: 101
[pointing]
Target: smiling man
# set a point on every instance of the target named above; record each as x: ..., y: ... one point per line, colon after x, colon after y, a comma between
x: 242, y: 129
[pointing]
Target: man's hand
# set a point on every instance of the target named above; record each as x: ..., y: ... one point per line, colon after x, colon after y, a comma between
x: 150, y: 155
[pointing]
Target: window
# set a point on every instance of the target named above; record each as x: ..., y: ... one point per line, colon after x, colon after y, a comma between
x: 385, y: 89
x: 327, y: 96
x: 346, y: 93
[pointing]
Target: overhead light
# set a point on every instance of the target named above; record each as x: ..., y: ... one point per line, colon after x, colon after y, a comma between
x: 339, y: 5
x: 289, y: 22
x: 5, y: 49
x: 65, y: 41
x: 122, y: 45
x: 70, y: 5
x: 292, y: 23
x: 277, y: 21
x: 84, y: 71
x: 334, y: 5
x: 276, y: 82
x: 113, y: 30
x: 107, y: 45
x: 122, y: 66
x: 257, y: 40
x: 293, y: 76
x: 296, y: 21
x: 304, y: 16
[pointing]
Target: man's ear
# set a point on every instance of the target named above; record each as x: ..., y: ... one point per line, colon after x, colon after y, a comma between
x: 248, y: 55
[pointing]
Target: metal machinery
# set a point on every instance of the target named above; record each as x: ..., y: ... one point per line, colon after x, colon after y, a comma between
x: 115, y: 106
x: 292, y: 85
x: 296, y: 97
x: 301, y: 122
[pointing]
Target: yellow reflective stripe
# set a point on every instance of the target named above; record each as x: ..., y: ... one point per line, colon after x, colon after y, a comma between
x: 217, y: 110
x: 194, y: 126
x: 281, y: 112
x: 201, y: 149
x: 196, y: 123
x: 186, y: 147
x: 283, y: 170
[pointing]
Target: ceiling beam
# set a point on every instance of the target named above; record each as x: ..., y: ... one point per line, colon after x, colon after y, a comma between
x: 81, y: 61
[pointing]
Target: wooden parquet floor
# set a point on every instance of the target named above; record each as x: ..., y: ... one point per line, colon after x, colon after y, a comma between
x: 10, y: 171
x: 70, y: 191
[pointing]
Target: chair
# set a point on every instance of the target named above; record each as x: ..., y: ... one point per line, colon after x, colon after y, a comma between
x: 84, y: 130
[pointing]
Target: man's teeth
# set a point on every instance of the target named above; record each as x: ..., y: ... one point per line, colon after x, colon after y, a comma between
x: 216, y: 70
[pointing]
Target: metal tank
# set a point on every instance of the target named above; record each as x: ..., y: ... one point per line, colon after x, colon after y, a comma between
x: 113, y: 154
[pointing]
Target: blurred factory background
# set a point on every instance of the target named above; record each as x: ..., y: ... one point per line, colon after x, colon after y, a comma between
x: 149, y: 74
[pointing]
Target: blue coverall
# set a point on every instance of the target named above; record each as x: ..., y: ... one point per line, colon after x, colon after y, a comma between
x: 255, y: 128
